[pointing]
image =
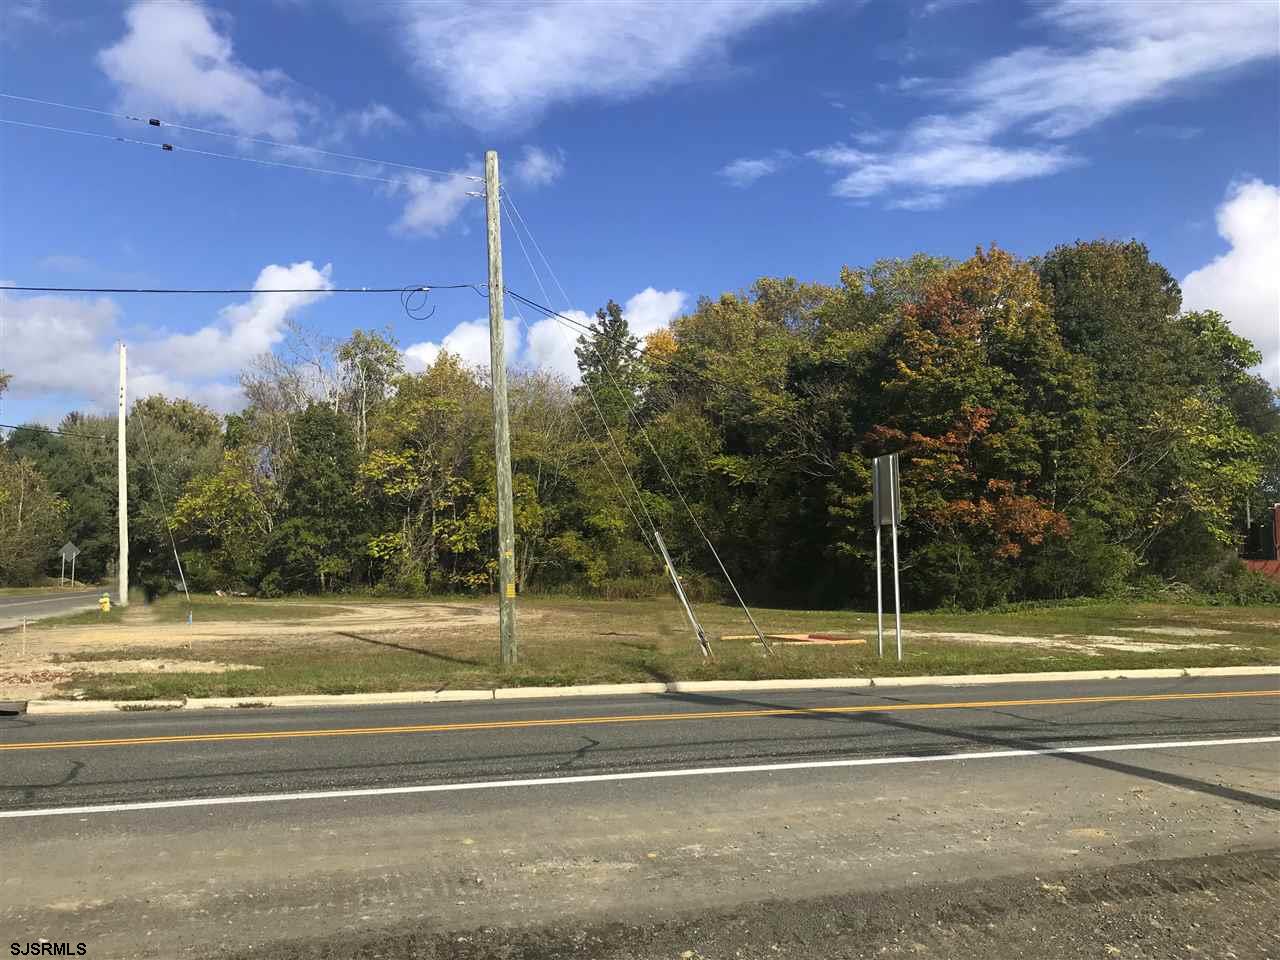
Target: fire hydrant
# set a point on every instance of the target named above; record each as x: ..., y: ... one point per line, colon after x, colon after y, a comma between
x: 104, y: 603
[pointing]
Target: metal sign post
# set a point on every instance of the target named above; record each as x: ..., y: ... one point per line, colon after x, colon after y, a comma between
x: 69, y: 551
x: 886, y: 509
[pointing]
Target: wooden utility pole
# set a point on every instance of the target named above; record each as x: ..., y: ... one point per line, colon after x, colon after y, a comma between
x: 501, y: 436
x: 122, y: 483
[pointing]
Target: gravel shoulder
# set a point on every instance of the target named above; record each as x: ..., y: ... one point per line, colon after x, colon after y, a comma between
x: 1213, y: 907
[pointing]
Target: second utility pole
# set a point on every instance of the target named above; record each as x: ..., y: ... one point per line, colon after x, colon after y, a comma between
x: 501, y: 436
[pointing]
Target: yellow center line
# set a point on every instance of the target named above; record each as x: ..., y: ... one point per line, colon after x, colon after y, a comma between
x: 636, y: 718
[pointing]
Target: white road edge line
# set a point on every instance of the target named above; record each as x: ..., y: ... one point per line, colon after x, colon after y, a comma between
x: 610, y: 777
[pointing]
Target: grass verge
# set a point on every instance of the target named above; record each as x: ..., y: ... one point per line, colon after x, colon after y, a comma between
x: 566, y: 642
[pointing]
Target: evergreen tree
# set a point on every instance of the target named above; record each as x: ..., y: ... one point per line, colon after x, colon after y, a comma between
x: 607, y: 362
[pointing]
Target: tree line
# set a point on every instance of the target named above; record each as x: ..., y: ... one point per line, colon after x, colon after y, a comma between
x: 1065, y: 429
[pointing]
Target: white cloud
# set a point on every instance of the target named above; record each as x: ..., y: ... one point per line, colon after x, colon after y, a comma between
x: 651, y: 309
x: 173, y: 59
x: 469, y: 340
x: 538, y: 167
x: 1133, y: 53
x: 242, y: 331
x: 501, y: 65
x: 1107, y: 58
x: 65, y: 346
x: 551, y: 344
x: 434, y: 202
x: 934, y: 7
x: 941, y: 167
x: 921, y: 201
x: 177, y: 59
x: 58, y: 344
x: 1244, y: 283
x: 547, y: 344
x: 745, y: 171
x: 372, y: 118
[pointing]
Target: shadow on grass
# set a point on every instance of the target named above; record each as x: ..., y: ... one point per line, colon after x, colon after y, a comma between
x: 418, y: 650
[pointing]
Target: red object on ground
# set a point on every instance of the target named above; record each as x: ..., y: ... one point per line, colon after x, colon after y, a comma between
x: 1268, y: 568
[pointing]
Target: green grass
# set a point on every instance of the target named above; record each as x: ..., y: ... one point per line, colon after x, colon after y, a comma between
x: 566, y: 641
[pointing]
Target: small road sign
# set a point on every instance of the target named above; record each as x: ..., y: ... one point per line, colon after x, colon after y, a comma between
x: 886, y: 510
x: 69, y: 551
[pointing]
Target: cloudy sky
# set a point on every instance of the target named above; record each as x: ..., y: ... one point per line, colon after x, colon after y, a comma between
x: 659, y: 151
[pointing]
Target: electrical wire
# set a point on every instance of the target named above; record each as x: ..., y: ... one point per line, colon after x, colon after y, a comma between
x: 605, y: 463
x: 61, y: 433
x: 164, y: 510
x: 643, y: 359
x: 424, y: 288
x: 649, y: 442
x: 156, y: 122
x: 175, y: 148
x: 604, y: 422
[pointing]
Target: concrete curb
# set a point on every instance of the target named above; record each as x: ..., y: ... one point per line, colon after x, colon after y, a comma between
x: 76, y: 707
x: 584, y: 690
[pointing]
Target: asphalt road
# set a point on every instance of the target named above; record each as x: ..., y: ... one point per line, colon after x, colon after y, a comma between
x: 519, y: 828
x: 38, y: 605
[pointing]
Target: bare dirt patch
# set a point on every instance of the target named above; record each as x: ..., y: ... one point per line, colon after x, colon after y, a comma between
x: 141, y: 629
x: 37, y: 673
x: 1090, y: 644
x: 38, y: 680
x: 1178, y: 631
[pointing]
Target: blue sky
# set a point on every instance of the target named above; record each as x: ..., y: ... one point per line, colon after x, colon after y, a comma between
x: 660, y: 151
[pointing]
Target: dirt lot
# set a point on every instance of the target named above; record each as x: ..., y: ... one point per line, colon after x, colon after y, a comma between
x: 52, y: 651
x: 247, y: 647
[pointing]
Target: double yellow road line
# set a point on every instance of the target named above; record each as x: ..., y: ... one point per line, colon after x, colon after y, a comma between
x: 628, y: 718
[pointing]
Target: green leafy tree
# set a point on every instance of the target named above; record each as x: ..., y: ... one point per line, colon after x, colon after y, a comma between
x: 315, y: 544
x: 993, y: 417
x: 226, y: 516
x: 606, y: 359
x: 368, y: 364
x: 32, y: 519
x: 80, y: 467
x: 170, y: 443
x: 1186, y: 426
x: 420, y: 478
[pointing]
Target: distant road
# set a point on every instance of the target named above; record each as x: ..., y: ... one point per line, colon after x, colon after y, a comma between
x: 37, y: 605
x: 731, y: 825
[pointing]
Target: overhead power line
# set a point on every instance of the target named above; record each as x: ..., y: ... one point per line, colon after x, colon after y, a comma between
x: 645, y: 359
x: 508, y: 207
x: 635, y: 417
x: 61, y: 433
x: 423, y: 288
x: 622, y: 494
x: 164, y: 510
x: 175, y: 148
x: 261, y: 141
